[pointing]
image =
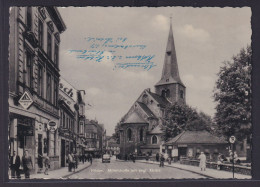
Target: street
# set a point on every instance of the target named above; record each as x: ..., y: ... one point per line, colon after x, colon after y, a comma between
x: 129, y: 170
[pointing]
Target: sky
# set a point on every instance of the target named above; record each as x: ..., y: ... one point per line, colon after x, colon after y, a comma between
x: 204, y: 38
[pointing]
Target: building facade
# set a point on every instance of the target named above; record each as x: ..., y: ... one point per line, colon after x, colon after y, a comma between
x: 141, y: 127
x: 34, y: 82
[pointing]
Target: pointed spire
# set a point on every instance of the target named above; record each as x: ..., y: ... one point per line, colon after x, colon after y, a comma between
x: 170, y: 73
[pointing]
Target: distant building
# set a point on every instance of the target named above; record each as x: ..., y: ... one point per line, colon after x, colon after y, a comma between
x: 189, y: 144
x: 112, y: 147
x: 141, y: 128
x: 34, y: 83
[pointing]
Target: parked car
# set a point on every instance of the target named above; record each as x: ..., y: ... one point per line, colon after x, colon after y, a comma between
x: 106, y: 158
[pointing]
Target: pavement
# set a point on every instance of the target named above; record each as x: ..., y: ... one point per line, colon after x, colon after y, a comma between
x: 209, y: 173
x: 60, y: 173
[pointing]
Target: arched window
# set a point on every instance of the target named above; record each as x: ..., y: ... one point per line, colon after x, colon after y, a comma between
x: 167, y: 93
x: 129, y: 134
x: 154, y: 139
x: 181, y: 94
x: 163, y: 93
x: 141, y: 134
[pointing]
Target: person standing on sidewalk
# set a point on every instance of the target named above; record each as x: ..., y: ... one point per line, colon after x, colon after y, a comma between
x: 27, y: 164
x: 15, y: 163
x: 46, y: 165
x: 202, y: 158
x: 161, y: 161
x: 90, y: 158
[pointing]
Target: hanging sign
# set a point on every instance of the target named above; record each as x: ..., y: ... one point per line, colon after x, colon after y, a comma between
x: 26, y: 100
x: 232, y: 139
x: 52, y: 126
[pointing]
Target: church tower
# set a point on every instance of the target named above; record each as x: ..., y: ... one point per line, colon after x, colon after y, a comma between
x: 170, y: 86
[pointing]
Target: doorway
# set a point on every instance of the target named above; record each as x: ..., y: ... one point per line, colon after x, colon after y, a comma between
x: 63, y: 146
x: 40, y: 159
x: 182, y: 152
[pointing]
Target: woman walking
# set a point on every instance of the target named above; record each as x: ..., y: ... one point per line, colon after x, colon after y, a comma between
x: 202, y: 158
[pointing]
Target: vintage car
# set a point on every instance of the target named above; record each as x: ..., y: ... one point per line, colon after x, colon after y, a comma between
x: 106, y: 158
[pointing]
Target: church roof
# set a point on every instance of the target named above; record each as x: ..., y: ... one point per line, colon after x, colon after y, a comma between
x: 146, y: 110
x: 134, y: 118
x: 156, y: 130
x: 195, y: 137
x: 170, y: 73
x: 161, y: 100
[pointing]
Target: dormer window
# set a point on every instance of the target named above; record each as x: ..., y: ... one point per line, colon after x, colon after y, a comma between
x: 167, y: 80
x: 169, y: 53
x: 151, y: 101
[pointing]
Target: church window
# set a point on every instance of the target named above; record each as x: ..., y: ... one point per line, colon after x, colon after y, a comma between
x: 129, y: 134
x: 167, y: 93
x: 181, y: 94
x: 154, y: 139
x: 141, y: 134
x: 163, y: 93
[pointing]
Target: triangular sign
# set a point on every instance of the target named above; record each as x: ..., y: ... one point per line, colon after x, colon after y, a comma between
x: 26, y: 100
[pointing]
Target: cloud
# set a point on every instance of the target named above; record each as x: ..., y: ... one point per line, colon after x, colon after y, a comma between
x: 196, y: 34
x: 160, y: 22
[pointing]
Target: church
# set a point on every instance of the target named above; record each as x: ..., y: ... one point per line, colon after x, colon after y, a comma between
x: 141, y: 127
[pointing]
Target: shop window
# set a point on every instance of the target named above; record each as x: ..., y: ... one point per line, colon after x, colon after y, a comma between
x: 154, y: 140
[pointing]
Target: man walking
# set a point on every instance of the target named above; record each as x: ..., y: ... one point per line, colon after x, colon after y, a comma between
x: 27, y: 164
x: 15, y: 163
x: 162, y: 161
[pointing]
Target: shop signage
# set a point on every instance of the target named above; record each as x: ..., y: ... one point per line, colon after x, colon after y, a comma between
x: 69, y: 90
x: 26, y: 100
x: 52, y: 126
x: 183, y: 145
x: 169, y: 147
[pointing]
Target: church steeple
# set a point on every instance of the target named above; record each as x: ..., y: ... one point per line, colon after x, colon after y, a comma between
x: 170, y: 73
x: 170, y: 84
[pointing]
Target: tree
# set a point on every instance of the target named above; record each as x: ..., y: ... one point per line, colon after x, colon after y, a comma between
x: 233, y: 96
x: 116, y: 135
x: 180, y: 117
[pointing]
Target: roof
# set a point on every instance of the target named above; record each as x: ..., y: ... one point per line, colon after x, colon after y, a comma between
x: 146, y: 110
x: 156, y: 146
x: 194, y: 137
x: 134, y: 118
x: 170, y: 73
x: 161, y: 100
x: 156, y: 130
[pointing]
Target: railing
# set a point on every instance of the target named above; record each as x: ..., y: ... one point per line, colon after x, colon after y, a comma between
x: 223, y: 166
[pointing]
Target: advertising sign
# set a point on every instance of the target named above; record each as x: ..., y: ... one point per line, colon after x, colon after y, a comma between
x: 25, y: 100
x: 67, y: 93
x: 52, y: 126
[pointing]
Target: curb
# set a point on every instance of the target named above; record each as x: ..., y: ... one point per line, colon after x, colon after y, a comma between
x: 177, y: 168
x: 66, y: 176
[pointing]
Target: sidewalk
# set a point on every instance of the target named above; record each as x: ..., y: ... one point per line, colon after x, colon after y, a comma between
x: 211, y: 173
x: 59, y: 173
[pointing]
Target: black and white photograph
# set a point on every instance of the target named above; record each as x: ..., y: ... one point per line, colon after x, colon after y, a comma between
x: 129, y: 93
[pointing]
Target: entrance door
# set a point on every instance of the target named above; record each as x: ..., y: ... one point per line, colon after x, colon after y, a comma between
x: 40, y: 163
x: 63, y: 146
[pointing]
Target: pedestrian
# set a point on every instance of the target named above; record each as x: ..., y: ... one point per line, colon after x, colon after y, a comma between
x: 162, y: 161
x: 157, y: 157
x: 90, y: 158
x: 169, y: 160
x: 15, y: 163
x: 133, y: 157
x: 46, y: 165
x: 70, y: 162
x: 73, y: 162
x: 27, y: 164
x: 202, y: 158
x: 219, y: 162
x: 82, y: 158
x: 76, y: 160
